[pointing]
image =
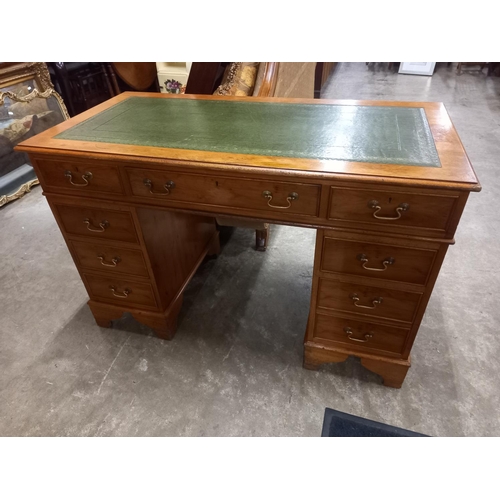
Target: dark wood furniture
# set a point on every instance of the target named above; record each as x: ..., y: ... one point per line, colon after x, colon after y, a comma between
x: 82, y: 85
x: 137, y: 212
x: 126, y: 76
x: 322, y: 73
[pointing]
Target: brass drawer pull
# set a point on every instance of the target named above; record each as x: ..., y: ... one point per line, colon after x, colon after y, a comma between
x: 350, y: 333
x: 103, y: 225
x: 121, y: 295
x: 386, y: 262
x: 85, y: 178
x: 375, y: 302
x: 114, y: 261
x: 269, y: 196
x: 404, y: 207
x: 168, y: 186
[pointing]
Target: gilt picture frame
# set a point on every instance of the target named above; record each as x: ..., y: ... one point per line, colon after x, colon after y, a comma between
x: 24, y: 111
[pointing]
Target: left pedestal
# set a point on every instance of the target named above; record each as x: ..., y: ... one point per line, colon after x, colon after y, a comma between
x: 136, y: 260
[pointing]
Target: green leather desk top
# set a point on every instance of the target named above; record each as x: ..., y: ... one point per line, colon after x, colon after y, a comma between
x: 374, y: 134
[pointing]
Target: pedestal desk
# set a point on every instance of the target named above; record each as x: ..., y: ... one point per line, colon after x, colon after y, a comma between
x: 135, y: 183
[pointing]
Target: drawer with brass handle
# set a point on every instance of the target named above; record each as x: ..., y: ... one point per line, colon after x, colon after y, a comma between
x: 359, y: 335
x: 96, y: 222
x: 101, y: 257
x: 383, y: 208
x: 373, y: 301
x: 375, y: 260
x: 85, y: 177
x: 216, y: 191
x: 119, y: 290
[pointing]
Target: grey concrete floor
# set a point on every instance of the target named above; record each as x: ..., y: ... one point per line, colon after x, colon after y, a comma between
x: 234, y: 368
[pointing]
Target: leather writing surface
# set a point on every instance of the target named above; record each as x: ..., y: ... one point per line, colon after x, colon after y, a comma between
x: 373, y: 134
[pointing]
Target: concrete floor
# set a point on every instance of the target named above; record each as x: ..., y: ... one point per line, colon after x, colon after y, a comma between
x: 234, y: 368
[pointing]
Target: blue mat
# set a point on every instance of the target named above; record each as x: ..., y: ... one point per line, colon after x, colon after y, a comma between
x: 339, y: 424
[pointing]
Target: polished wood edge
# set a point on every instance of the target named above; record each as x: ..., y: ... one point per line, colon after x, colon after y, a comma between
x: 357, y: 354
x: 302, y: 100
x: 383, y: 238
x: 269, y: 80
x: 366, y: 317
x: 280, y: 170
x: 455, y: 166
x: 478, y: 186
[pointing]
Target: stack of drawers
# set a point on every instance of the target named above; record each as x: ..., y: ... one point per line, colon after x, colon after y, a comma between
x: 105, y: 245
x: 130, y: 259
x: 373, y: 276
x: 378, y: 250
x: 102, y: 238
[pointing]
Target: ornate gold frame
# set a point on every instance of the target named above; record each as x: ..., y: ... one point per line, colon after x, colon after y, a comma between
x: 26, y: 187
x: 10, y: 74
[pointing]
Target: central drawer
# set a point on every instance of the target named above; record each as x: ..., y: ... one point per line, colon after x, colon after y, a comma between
x: 256, y: 195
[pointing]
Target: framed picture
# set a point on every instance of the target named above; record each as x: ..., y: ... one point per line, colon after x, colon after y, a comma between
x: 417, y: 68
x: 32, y: 74
x: 23, y: 114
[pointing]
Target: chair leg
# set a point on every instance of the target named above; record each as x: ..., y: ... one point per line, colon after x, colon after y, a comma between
x: 261, y: 237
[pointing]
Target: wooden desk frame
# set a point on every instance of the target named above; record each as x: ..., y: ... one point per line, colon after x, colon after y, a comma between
x: 376, y: 262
